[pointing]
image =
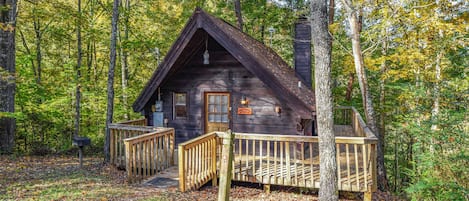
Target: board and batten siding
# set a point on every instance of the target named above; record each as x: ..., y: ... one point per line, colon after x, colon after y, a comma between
x: 224, y: 74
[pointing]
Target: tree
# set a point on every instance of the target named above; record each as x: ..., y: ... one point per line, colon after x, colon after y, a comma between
x: 110, y: 79
x: 322, y: 57
x: 353, y: 14
x: 237, y: 5
x: 7, y: 75
x: 124, y: 58
x: 78, y: 86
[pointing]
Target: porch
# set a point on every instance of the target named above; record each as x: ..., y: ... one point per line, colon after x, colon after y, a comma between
x: 287, y: 160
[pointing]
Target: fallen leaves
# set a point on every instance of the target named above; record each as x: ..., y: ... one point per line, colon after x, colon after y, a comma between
x: 59, y: 178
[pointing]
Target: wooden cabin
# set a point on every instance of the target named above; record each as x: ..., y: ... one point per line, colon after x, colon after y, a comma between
x: 216, y: 77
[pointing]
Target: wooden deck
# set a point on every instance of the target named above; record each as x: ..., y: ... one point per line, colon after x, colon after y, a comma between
x: 287, y: 160
x: 298, y: 174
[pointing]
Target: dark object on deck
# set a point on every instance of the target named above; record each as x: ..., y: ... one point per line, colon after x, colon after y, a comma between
x: 81, y: 142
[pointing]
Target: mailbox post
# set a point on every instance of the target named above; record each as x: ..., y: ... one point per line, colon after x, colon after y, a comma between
x: 81, y: 142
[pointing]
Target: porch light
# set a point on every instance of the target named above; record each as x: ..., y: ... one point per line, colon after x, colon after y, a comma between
x: 244, y: 101
x: 278, y: 110
x: 206, y: 55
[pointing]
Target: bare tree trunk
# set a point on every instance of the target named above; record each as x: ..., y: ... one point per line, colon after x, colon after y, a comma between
x: 110, y: 80
x: 124, y: 59
x: 78, y: 90
x: 355, y: 26
x: 322, y: 56
x: 7, y: 74
x: 237, y: 5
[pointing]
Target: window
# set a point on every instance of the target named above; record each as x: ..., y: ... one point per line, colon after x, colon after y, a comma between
x: 180, y: 105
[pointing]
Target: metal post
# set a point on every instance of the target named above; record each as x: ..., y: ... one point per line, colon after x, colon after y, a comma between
x: 80, y: 155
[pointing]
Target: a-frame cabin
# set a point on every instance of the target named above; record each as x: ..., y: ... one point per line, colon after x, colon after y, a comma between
x: 216, y: 77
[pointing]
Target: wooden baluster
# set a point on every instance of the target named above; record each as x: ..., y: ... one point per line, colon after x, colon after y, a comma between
x: 303, y: 163
x: 282, y: 177
x: 247, y: 160
x: 339, y: 172
x: 240, y: 152
x: 365, y: 173
x: 275, y: 162
x: 268, y: 162
x: 261, y: 174
x: 135, y: 172
x: 311, y: 161
x: 356, y: 166
x: 253, y: 157
x: 295, y: 162
x: 287, y: 162
x: 348, y: 166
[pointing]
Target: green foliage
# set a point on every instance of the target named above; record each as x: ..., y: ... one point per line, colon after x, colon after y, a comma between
x: 406, y: 36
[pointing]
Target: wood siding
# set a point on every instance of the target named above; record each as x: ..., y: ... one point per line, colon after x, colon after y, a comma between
x: 223, y: 74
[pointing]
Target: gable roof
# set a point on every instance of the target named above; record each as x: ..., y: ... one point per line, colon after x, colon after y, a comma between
x: 257, y: 58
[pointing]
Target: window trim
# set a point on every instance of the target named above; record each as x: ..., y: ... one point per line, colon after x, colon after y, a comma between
x: 175, y: 117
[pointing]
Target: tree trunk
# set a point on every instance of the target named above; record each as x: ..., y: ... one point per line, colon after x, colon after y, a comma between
x: 37, y: 31
x: 354, y: 22
x: 322, y: 57
x: 331, y: 11
x: 124, y: 59
x: 348, y: 93
x: 78, y: 92
x: 110, y: 79
x: 382, y: 92
x: 237, y: 5
x: 7, y: 74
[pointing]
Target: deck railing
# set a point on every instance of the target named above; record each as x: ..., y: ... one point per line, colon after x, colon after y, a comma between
x: 198, y: 161
x: 136, y: 122
x: 149, y: 153
x: 119, y: 132
x: 287, y: 160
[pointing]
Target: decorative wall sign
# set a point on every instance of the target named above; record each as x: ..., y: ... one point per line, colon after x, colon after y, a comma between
x: 245, y: 110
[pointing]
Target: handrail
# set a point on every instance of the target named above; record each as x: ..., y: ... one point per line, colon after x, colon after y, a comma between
x: 149, y: 153
x: 198, y: 161
x: 136, y: 122
x: 288, y: 160
x: 119, y: 132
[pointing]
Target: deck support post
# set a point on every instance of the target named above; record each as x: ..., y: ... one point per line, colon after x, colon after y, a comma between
x: 367, y: 196
x: 267, y: 188
x: 226, y: 166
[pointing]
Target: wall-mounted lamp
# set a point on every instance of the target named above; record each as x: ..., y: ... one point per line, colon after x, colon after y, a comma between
x: 278, y: 110
x: 206, y: 55
x: 244, y: 101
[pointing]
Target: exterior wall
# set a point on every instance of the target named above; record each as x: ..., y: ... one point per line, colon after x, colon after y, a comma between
x: 224, y: 74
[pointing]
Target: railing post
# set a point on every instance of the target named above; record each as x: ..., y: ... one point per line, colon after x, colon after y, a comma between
x: 112, y: 147
x: 182, y: 168
x: 172, y: 143
x: 226, y: 166
x: 214, y: 147
x: 128, y: 161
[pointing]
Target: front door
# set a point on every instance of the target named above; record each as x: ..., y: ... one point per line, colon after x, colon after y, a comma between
x: 217, y: 112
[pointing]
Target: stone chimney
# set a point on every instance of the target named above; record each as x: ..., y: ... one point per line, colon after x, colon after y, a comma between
x: 302, y: 50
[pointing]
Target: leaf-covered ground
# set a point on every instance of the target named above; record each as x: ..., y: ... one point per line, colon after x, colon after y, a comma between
x: 59, y: 178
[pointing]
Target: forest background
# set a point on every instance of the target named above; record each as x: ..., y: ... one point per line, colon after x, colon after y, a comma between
x: 415, y: 53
